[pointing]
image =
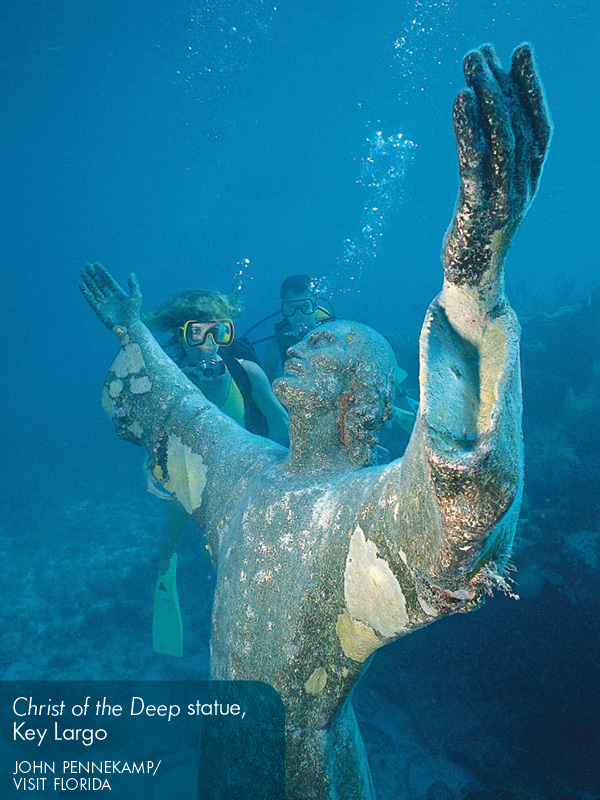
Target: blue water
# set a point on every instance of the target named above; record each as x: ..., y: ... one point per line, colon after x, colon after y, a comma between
x: 194, y: 142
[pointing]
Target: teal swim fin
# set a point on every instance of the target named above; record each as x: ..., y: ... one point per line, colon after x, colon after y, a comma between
x: 167, y: 629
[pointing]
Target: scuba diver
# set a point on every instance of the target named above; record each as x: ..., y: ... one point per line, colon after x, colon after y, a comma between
x: 302, y: 310
x: 203, y: 346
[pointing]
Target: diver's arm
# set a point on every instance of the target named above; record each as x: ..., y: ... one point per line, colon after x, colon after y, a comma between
x: 460, y: 479
x: 267, y: 403
x: 196, y: 452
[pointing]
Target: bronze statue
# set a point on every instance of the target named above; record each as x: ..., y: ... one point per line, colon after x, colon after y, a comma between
x: 321, y: 557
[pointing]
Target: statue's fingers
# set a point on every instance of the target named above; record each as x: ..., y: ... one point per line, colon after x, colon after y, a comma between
x: 105, y: 280
x: 88, y: 279
x: 470, y: 142
x: 493, y: 111
x: 89, y: 272
x: 525, y: 76
x: 522, y: 137
x: 134, y: 288
x: 491, y: 59
x: 527, y: 83
x: 89, y: 296
x: 493, y: 62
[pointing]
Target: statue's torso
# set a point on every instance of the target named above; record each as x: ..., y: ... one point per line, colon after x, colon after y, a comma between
x: 280, y: 589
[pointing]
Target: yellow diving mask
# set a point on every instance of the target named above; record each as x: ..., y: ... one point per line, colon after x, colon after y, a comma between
x: 195, y: 333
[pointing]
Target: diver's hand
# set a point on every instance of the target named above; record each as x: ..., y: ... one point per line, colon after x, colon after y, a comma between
x: 502, y: 129
x: 116, y: 309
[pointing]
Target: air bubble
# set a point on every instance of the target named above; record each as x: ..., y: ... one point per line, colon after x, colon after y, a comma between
x: 223, y: 34
x: 383, y: 170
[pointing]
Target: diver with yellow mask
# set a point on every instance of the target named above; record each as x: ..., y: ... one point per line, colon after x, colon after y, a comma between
x: 202, y: 344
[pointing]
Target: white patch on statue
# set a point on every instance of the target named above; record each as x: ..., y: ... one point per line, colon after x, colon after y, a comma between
x: 324, y: 511
x: 317, y: 681
x: 140, y: 385
x: 128, y: 361
x: 136, y: 429
x: 371, y: 590
x: 187, y: 474
x: 115, y: 388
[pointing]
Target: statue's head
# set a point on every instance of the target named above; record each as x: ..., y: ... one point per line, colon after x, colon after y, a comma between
x: 341, y: 371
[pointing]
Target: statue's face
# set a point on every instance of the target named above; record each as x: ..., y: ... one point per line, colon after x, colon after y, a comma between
x: 317, y: 370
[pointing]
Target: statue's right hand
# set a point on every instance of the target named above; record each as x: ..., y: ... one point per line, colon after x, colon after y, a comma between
x: 503, y: 131
x: 116, y: 309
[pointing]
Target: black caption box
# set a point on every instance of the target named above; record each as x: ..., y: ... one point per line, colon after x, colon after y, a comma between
x: 184, y: 740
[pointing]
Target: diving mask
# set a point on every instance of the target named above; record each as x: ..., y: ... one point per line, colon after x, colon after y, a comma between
x: 318, y: 306
x: 306, y: 305
x: 196, y: 333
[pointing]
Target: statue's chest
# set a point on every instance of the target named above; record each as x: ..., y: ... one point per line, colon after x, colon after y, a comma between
x: 277, y: 557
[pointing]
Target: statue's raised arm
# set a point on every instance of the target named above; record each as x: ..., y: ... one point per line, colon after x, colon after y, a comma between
x: 502, y: 129
x: 195, y: 451
x: 467, y: 444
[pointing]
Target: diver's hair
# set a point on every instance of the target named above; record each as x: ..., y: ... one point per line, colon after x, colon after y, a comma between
x: 297, y: 284
x: 199, y: 304
x: 367, y: 405
x: 202, y: 305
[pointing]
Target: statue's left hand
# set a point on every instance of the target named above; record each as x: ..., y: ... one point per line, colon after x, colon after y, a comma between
x: 116, y: 309
x: 502, y: 129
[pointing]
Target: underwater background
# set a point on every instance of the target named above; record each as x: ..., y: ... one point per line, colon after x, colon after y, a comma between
x: 229, y: 143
